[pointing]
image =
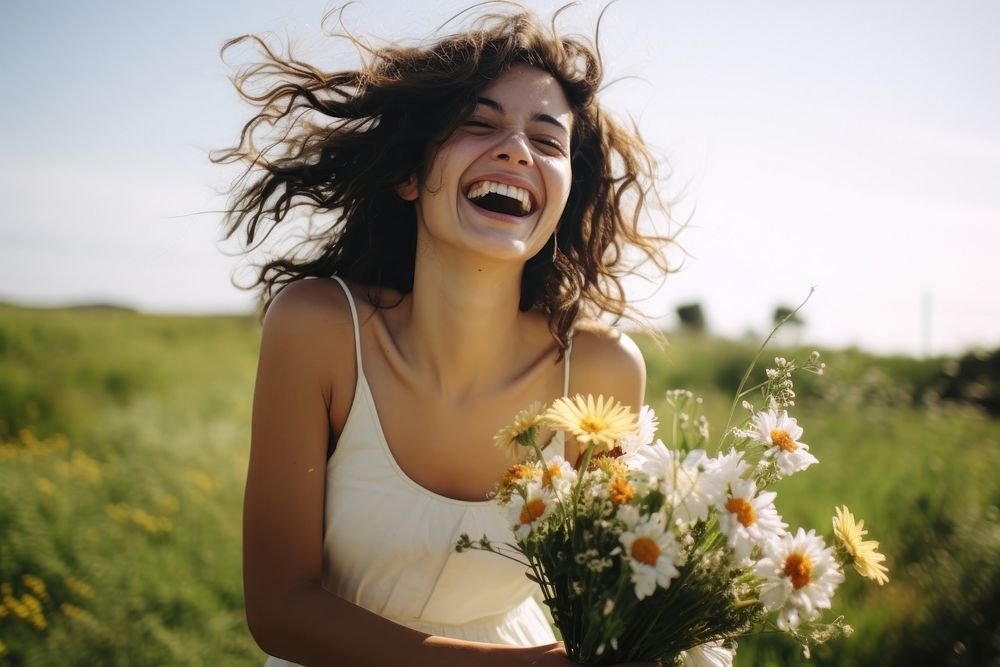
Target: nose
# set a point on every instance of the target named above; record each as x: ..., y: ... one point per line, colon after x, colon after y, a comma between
x: 514, y: 148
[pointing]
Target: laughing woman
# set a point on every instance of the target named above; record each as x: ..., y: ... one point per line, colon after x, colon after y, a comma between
x: 469, y: 206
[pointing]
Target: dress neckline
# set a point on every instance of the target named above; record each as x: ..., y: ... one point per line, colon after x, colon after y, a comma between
x: 362, y: 390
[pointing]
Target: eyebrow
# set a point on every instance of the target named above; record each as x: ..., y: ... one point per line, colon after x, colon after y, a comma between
x: 543, y: 117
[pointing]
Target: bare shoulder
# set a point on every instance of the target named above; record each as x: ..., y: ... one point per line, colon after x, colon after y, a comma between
x: 308, y: 325
x: 304, y: 304
x: 606, y: 361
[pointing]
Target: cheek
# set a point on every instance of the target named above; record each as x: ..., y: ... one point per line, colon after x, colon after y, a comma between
x: 560, y: 182
x: 437, y: 170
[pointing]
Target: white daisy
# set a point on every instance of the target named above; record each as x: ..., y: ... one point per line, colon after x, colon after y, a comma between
x: 800, y: 575
x: 650, y: 551
x: 729, y: 467
x: 781, y: 433
x: 629, y: 515
x: 526, y: 512
x: 748, y: 519
x: 711, y: 654
x: 558, y: 475
x: 652, y: 459
x: 689, y: 483
x: 644, y: 432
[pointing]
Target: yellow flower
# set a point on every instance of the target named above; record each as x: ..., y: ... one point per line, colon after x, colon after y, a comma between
x: 600, y: 423
x: 620, y: 492
x: 74, y: 612
x: 515, y: 475
x: 80, y: 588
x: 867, y: 561
x: 201, y: 479
x: 518, y: 433
x: 118, y: 511
x: 16, y: 606
x: 611, y: 467
x: 35, y: 585
x: 45, y: 486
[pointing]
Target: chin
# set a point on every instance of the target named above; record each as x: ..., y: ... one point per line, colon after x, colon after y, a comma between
x: 503, y: 247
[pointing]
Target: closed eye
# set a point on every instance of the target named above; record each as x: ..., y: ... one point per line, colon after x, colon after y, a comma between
x: 549, y: 142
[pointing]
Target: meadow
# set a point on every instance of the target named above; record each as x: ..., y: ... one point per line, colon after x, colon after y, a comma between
x: 124, y: 442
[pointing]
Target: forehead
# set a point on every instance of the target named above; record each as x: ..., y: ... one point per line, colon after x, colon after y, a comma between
x: 530, y: 91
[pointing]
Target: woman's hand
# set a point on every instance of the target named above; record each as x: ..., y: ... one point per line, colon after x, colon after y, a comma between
x: 554, y: 655
x: 547, y: 655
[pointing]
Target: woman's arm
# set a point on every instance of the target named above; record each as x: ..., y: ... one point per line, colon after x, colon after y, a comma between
x: 605, y: 361
x: 308, y: 339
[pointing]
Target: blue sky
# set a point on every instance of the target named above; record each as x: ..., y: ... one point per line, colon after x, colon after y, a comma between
x: 851, y: 146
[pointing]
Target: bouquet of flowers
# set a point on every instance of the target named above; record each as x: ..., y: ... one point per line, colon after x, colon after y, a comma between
x: 645, y: 551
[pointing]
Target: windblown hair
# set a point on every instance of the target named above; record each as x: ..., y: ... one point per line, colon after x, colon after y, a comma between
x: 338, y: 145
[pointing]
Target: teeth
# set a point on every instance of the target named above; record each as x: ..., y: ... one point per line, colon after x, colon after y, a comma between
x: 484, y: 188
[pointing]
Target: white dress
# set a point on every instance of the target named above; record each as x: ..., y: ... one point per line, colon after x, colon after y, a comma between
x: 389, y: 543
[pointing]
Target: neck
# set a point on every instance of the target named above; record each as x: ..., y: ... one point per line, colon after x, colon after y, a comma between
x: 461, y: 323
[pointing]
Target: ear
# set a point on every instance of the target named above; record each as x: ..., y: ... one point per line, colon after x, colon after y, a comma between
x: 408, y: 189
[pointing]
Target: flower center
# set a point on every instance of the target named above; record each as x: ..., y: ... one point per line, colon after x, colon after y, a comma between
x: 532, y: 509
x: 780, y: 438
x: 743, y: 511
x: 645, y: 550
x: 591, y: 424
x: 798, y: 568
x: 620, y: 491
x: 551, y: 472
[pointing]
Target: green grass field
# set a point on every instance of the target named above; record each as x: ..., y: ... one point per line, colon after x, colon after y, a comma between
x: 124, y: 440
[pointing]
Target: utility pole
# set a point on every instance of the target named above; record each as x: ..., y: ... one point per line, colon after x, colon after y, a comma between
x: 927, y: 323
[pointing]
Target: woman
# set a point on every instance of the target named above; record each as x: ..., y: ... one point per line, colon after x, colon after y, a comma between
x: 469, y: 203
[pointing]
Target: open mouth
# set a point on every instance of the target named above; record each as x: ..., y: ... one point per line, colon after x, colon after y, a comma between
x: 501, y: 198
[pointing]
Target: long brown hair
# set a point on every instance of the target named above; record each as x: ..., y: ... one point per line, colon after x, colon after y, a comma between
x: 337, y: 144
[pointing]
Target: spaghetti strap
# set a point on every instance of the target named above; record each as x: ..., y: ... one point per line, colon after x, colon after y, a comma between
x: 569, y: 352
x: 354, y: 319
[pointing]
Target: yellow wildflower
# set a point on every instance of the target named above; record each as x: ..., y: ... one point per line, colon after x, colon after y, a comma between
x: 31, y: 602
x: 118, y: 511
x: 85, y: 467
x: 80, y: 588
x: 867, y: 561
x: 519, y: 433
x: 74, y: 612
x: 513, y: 476
x: 16, y: 606
x: 611, y: 466
x: 620, y: 491
x: 35, y: 585
x: 167, y: 502
x: 597, y: 422
x: 150, y: 523
x: 201, y: 479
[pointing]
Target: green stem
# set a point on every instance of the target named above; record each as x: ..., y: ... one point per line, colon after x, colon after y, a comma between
x: 760, y: 351
x: 579, y: 478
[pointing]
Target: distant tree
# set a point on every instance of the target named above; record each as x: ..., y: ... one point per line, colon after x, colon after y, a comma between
x: 692, y: 318
x: 781, y: 312
x: 791, y: 331
x: 974, y: 378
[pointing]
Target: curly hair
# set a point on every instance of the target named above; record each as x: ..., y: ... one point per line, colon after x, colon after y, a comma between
x: 338, y: 145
